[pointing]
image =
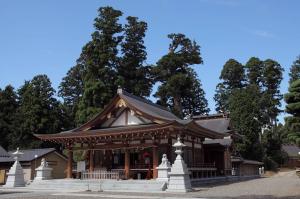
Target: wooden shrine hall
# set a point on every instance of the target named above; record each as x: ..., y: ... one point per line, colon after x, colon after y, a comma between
x: 131, y: 134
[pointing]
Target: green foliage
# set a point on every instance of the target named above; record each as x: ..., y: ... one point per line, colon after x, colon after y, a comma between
x: 272, y: 141
x: 39, y: 111
x: 272, y: 77
x: 295, y: 70
x: 133, y: 75
x: 254, y: 68
x: 8, y: 116
x: 99, y: 58
x: 179, y: 87
x: 292, y: 123
x: 233, y: 77
x: 71, y: 90
x: 245, y: 114
x: 233, y: 74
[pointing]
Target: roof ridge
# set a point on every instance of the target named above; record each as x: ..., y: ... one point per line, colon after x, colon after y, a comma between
x: 145, y: 100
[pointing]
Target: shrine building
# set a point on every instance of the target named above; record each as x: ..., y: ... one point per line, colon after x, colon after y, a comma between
x: 131, y: 134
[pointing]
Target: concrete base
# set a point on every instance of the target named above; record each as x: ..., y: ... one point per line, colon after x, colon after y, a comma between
x: 43, y: 174
x: 15, y: 176
x: 101, y: 185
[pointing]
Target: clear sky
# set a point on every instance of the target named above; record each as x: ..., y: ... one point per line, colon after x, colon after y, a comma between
x: 46, y: 37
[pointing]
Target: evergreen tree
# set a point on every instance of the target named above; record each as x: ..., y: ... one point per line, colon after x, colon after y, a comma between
x: 175, y: 75
x: 272, y: 77
x: 39, y: 111
x: 8, y: 116
x: 233, y: 77
x: 133, y: 75
x: 99, y: 58
x: 194, y: 101
x: 292, y: 98
x: 254, y: 68
x: 221, y: 98
x: 295, y: 70
x: 71, y: 90
x: 245, y: 114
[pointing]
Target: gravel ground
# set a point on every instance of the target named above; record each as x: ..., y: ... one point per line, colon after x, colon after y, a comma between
x: 283, y: 185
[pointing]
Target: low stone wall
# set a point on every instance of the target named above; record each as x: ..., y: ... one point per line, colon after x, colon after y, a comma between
x: 218, y: 180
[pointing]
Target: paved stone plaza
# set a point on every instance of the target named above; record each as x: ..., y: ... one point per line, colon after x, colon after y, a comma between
x: 282, y: 185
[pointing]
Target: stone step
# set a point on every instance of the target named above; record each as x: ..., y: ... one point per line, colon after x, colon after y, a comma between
x: 95, y: 185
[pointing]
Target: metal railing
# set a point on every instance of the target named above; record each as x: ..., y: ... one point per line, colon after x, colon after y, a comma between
x: 111, y: 175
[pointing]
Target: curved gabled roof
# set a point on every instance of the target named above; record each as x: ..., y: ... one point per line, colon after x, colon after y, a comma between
x: 157, y: 114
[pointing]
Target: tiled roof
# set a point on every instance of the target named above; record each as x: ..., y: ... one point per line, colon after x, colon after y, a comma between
x: 29, y: 154
x: 3, y: 152
x: 220, y: 125
x: 4, y: 156
x: 148, y: 107
x: 223, y: 142
x: 291, y: 150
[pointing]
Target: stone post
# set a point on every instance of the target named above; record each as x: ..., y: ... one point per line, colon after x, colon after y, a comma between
x: 179, y: 175
x: 163, y: 169
x: 43, y: 172
x: 15, y: 176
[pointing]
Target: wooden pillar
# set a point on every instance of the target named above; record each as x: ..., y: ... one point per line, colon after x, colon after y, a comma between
x: 169, y: 150
x: 91, y: 160
x: 127, y: 164
x: 155, y: 161
x: 193, y: 152
x: 70, y: 163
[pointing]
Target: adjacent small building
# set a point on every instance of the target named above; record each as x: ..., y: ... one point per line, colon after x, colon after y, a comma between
x: 5, y: 163
x: 293, y: 156
x: 31, y: 159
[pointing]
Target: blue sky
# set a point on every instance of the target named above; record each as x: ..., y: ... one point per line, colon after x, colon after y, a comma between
x: 46, y: 37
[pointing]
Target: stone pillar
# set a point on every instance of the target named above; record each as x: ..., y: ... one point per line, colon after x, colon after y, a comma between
x: 15, y: 176
x: 127, y: 164
x: 179, y: 175
x: 91, y: 161
x: 155, y: 161
x: 163, y: 169
x: 70, y: 163
x: 43, y: 172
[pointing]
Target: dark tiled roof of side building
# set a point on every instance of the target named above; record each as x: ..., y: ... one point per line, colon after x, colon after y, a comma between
x: 29, y: 154
x: 224, y: 142
x: 291, y: 150
x: 218, y: 124
x: 4, y: 156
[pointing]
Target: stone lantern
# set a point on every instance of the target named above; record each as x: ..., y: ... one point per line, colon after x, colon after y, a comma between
x: 179, y: 175
x: 15, y: 176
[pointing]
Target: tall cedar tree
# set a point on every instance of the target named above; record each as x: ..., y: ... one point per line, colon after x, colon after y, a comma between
x: 39, y: 110
x: 100, y: 59
x: 244, y: 106
x: 8, y: 116
x: 194, y: 101
x: 233, y: 77
x: 133, y: 75
x: 272, y: 77
x: 292, y: 98
x: 176, y: 77
x: 254, y: 68
x: 295, y: 70
x: 71, y: 90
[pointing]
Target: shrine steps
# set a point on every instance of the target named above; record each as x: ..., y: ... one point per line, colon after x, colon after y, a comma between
x: 96, y: 185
